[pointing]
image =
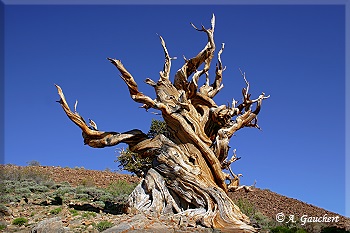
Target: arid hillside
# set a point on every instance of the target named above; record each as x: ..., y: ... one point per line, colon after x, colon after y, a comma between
x: 80, y: 200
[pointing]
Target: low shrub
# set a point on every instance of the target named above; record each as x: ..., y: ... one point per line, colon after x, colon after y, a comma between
x: 88, y: 182
x: 88, y: 214
x: 30, y: 173
x: 82, y: 196
x: 7, y: 198
x: 8, y: 186
x: 74, y: 212
x: 2, y: 226
x: 262, y: 221
x: 19, y: 221
x: 39, y: 189
x: 91, y: 191
x: 56, y: 211
x: 33, y: 163
x: 22, y: 190
x: 64, y: 184
x: 100, y: 204
x: 104, y: 225
x: 246, y: 207
x: 26, y: 183
x: 107, y: 197
x: 121, y: 187
x: 61, y: 191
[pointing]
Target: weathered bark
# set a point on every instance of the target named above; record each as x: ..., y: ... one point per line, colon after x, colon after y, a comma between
x: 187, y: 175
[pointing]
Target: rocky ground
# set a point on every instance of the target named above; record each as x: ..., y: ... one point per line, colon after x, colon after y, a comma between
x: 80, y: 212
x: 271, y: 204
x: 81, y: 176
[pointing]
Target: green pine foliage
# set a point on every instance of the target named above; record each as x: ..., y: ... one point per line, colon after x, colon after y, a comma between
x: 131, y: 161
x: 158, y: 127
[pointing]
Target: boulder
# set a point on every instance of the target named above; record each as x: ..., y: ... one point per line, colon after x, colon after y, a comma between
x: 51, y: 225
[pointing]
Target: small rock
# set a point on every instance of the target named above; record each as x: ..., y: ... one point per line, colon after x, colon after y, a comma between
x: 52, y: 225
x: 11, y: 228
x: 86, y: 222
x: 5, y: 211
x: 124, y: 227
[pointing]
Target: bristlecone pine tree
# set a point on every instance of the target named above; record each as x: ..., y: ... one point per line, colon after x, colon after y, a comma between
x: 187, y: 176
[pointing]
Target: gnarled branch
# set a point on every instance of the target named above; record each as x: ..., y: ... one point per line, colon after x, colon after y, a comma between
x: 135, y: 94
x: 190, y: 66
x: 96, y: 138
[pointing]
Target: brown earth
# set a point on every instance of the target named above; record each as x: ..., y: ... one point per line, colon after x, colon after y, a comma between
x: 270, y: 204
x: 263, y: 201
x: 81, y: 176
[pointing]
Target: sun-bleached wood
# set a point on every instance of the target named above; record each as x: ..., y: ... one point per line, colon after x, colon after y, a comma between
x: 187, y: 175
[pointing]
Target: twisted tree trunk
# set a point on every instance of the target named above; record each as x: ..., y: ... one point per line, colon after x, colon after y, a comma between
x: 187, y: 175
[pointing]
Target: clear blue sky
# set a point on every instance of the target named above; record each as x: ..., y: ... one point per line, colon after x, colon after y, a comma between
x: 294, y: 53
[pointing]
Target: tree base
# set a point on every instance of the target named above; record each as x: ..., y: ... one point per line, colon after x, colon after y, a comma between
x: 153, y: 197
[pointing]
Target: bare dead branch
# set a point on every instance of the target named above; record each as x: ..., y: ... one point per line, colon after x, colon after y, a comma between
x: 93, y: 125
x: 94, y: 137
x: 245, y: 120
x: 132, y: 85
x: 190, y: 66
x: 150, y: 82
x: 75, y: 106
x: 200, y: 30
x: 167, y: 64
x: 227, y: 163
x: 217, y: 86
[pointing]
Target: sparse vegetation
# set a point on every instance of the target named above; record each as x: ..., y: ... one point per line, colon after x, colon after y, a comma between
x: 2, y: 226
x: 264, y: 222
x: 87, y: 182
x: 131, y: 161
x: 121, y: 188
x: 29, y: 173
x: 256, y: 217
x: 88, y: 202
x: 19, y: 221
x: 82, y: 196
x: 33, y: 163
x: 56, y: 210
x: 30, y: 183
x: 92, y: 192
x: 74, y: 212
x: 104, y: 225
x: 22, y: 191
x: 88, y: 214
x: 246, y: 207
x: 62, y: 191
x: 39, y: 189
x: 7, y: 198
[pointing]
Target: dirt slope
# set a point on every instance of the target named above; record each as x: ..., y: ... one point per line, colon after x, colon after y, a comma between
x: 270, y: 204
x: 264, y: 201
